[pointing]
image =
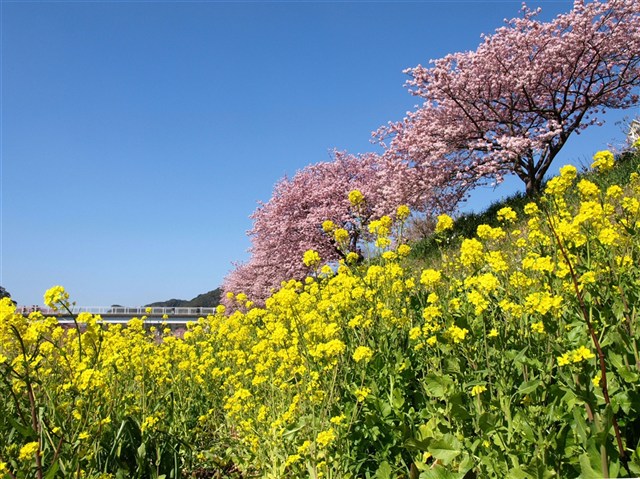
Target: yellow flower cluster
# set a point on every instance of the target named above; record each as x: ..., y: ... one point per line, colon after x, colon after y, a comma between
x: 286, y: 384
x: 362, y: 353
x: 575, y: 356
x: 311, y: 258
x: 56, y: 297
x: 478, y: 389
x: 356, y: 198
x: 603, y: 161
x: 445, y: 222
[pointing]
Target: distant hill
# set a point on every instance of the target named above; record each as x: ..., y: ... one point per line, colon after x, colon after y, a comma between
x: 204, y: 300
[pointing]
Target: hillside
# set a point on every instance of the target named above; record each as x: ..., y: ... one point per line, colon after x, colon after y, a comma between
x: 204, y: 300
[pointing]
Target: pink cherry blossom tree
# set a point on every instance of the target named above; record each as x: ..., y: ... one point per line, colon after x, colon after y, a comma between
x: 290, y: 223
x: 510, y: 106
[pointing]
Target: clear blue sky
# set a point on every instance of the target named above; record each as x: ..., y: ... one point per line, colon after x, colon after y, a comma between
x: 137, y: 137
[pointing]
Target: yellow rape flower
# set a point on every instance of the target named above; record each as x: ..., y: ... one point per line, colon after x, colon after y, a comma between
x: 581, y: 354
x: 603, y: 161
x: 558, y: 185
x: 445, y: 222
x: 543, y: 302
x: 414, y: 333
x: 564, y: 359
x: 325, y: 438
x: 577, y: 355
x: 341, y: 235
x: 597, y: 379
x: 362, y: 393
x: 56, y: 296
x: 569, y: 172
x: 430, y: 277
x: 507, y: 215
x: 311, y: 258
x: 531, y: 209
x: 614, y: 192
x: 292, y: 459
x: 588, y: 278
x: 496, y: 261
x: 457, y: 334
x: 608, y: 236
x: 486, y: 232
x: 362, y: 353
x: 304, y: 447
x: 403, y: 212
x: 631, y: 205
x: 477, y: 390
x: 588, y: 190
x: 328, y: 226
x: 431, y: 312
x: 538, y: 327
x: 352, y: 257
x: 471, y: 251
x: 356, y: 198
x: 389, y: 255
x: 338, y: 419
x: 28, y: 451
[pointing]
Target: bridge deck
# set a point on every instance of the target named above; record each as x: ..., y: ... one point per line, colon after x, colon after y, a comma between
x: 121, y: 315
x: 106, y: 311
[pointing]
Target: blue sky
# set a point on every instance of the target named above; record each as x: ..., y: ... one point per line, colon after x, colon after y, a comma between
x: 138, y: 137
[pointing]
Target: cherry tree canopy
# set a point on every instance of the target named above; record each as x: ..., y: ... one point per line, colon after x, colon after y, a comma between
x: 510, y: 106
x: 290, y: 223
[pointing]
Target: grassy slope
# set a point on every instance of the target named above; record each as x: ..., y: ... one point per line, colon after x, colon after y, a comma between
x: 427, y: 250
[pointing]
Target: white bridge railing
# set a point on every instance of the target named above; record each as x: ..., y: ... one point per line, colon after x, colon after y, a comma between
x: 123, y: 311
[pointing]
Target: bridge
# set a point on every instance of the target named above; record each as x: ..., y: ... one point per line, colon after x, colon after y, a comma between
x: 122, y: 314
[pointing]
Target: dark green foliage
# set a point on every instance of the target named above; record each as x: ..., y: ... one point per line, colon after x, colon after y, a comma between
x: 204, y: 300
x: 465, y: 225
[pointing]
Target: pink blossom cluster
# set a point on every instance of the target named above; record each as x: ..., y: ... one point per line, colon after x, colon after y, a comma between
x: 510, y: 106
x: 506, y: 108
x: 290, y: 223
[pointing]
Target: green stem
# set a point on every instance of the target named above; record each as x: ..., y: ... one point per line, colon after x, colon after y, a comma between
x: 596, y: 342
x: 75, y: 322
x: 32, y: 403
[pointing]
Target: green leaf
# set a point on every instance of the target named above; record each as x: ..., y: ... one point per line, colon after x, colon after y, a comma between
x: 427, y: 430
x: 26, y: 432
x: 570, y: 399
x: 458, y: 407
x: 487, y: 422
x: 634, y: 465
x: 445, y: 449
x: 436, y: 385
x: 440, y: 472
x: 628, y: 375
x: 529, y: 386
x: 521, y: 425
x: 581, y: 427
x: 587, y: 472
x: 397, y: 400
x: 518, y: 473
x: 51, y: 473
x: 142, y: 451
x: 384, y: 471
x: 538, y: 470
x: 291, y: 432
x: 622, y: 401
